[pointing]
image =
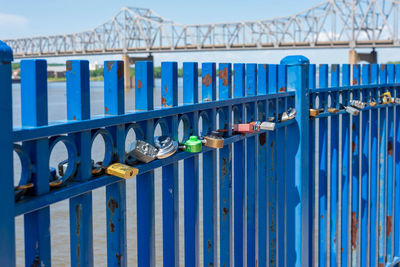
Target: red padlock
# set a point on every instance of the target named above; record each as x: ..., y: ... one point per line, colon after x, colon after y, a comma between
x: 252, y: 127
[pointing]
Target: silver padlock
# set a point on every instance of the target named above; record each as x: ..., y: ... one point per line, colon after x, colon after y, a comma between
x: 269, y: 126
x: 166, y: 146
x: 358, y: 104
x: 143, y: 151
x: 288, y: 115
x: 396, y: 100
x: 351, y: 110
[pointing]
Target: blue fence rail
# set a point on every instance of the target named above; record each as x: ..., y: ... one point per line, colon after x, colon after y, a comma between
x: 316, y: 191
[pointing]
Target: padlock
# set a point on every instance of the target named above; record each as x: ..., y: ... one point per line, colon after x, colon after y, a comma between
x: 386, y: 98
x: 395, y: 100
x: 246, y: 128
x: 313, y: 112
x: 97, y: 169
x: 351, y: 110
x: 333, y: 110
x: 166, y: 146
x: 269, y: 126
x: 122, y: 171
x: 372, y: 102
x: 143, y: 151
x: 62, y: 167
x: 288, y: 115
x: 214, y: 140
x: 54, y: 179
x: 193, y: 145
x: 357, y: 104
x: 23, y: 186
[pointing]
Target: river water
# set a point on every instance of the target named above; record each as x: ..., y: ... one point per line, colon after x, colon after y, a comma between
x: 60, y: 252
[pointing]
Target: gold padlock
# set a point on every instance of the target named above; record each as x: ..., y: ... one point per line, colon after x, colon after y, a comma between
x: 122, y: 171
x: 386, y: 98
x: 214, y: 140
x: 333, y: 110
x: 314, y: 112
x: 373, y: 104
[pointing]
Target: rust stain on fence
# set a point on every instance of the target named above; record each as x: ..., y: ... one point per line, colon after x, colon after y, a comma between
x: 390, y: 149
x: 389, y: 225
x: 112, y: 226
x: 262, y: 138
x: 354, y: 229
x: 223, y: 75
x: 139, y: 84
x: 118, y: 256
x: 207, y: 80
x: 112, y: 205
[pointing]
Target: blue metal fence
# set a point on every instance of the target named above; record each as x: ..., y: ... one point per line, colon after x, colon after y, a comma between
x: 317, y: 191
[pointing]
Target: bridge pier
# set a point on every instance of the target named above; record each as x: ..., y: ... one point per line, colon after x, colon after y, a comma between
x: 355, y: 57
x: 128, y: 61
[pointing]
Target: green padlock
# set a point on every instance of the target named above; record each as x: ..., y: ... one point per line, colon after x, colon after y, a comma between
x: 193, y: 145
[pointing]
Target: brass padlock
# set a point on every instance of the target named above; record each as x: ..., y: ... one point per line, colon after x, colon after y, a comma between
x: 213, y: 140
x: 313, y: 112
x: 268, y: 126
x: 386, y: 98
x: 373, y: 103
x: 357, y: 104
x: 166, y: 146
x: 122, y: 171
x: 333, y: 110
x: 143, y: 151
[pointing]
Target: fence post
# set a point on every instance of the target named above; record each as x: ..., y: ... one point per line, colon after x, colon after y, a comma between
x: 7, y: 243
x: 297, y: 73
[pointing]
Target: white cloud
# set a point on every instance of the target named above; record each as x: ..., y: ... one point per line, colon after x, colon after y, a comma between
x: 13, y: 21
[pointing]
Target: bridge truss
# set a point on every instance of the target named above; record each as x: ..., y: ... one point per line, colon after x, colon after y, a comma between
x: 335, y: 23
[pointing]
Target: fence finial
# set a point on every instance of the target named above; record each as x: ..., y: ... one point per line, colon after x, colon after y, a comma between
x: 6, y: 54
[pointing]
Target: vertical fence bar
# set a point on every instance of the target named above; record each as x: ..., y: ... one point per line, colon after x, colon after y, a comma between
x: 170, y: 183
x: 365, y: 167
x: 262, y: 79
x: 209, y: 172
x: 322, y: 174
x: 334, y: 185
x: 145, y: 182
x: 390, y: 170
x: 34, y: 114
x: 382, y: 118
x: 344, y: 166
x: 114, y: 104
x: 262, y: 82
x: 225, y: 162
x: 251, y: 166
x: 297, y: 73
x: 355, y: 170
x: 81, y: 217
x: 7, y: 232
x: 239, y: 168
x: 374, y: 125
x: 281, y: 171
x: 313, y: 163
x: 191, y: 171
x: 396, y: 208
x: 271, y: 169
x: 396, y: 226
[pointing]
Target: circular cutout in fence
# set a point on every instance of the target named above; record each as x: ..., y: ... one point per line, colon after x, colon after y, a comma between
x: 25, y: 180
x: 66, y: 167
x: 102, y: 146
x: 204, y: 124
x: 184, y: 129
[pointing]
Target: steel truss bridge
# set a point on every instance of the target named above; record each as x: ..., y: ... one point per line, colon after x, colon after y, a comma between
x: 331, y: 24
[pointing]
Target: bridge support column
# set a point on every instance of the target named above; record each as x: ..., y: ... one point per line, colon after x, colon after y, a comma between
x: 355, y: 57
x: 128, y: 61
x: 127, y: 72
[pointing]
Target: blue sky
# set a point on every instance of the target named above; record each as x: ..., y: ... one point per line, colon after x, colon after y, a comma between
x: 21, y: 18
